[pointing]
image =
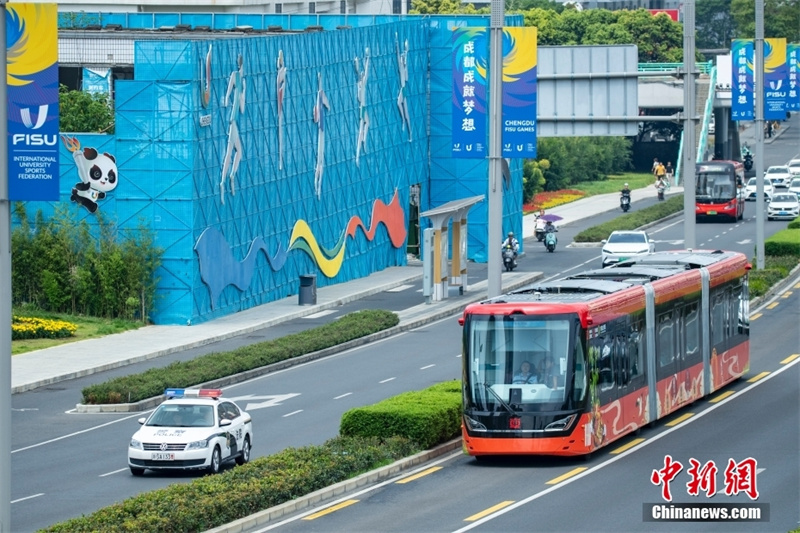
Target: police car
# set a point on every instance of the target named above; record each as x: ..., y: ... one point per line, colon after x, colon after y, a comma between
x: 192, y: 429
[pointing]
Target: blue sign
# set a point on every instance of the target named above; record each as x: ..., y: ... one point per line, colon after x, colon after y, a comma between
x: 519, y: 92
x: 742, y: 79
x: 469, y: 93
x: 32, y: 77
x: 96, y: 80
x: 793, y: 59
x: 776, y: 79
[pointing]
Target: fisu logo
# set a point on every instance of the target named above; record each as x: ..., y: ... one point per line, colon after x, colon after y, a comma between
x: 775, y: 86
x: 41, y: 117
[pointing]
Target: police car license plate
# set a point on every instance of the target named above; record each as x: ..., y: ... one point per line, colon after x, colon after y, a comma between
x: 157, y: 456
x: 712, y: 212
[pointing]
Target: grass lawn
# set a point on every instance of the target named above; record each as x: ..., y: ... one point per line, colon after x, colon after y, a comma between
x: 614, y: 183
x: 88, y: 328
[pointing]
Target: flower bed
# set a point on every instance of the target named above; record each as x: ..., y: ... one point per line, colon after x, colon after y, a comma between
x: 546, y: 200
x: 24, y: 327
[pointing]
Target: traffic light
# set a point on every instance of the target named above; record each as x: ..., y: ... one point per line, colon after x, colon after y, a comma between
x: 748, y: 162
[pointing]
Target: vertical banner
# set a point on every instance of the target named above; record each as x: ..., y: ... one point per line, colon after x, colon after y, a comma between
x: 793, y: 60
x: 519, y: 92
x: 32, y: 78
x: 470, y: 54
x: 776, y: 79
x: 742, y: 83
x: 96, y: 80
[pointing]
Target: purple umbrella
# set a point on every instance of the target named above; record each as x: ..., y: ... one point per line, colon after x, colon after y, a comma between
x: 550, y: 218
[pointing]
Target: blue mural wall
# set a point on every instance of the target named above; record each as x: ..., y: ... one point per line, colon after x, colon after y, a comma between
x: 237, y: 192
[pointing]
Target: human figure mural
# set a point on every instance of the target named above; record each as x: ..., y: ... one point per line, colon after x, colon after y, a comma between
x: 361, y: 94
x: 280, y: 82
x: 402, y: 103
x: 321, y: 107
x: 237, y: 86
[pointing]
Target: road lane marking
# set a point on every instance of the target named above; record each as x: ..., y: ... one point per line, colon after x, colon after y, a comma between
x: 321, y: 314
x: 680, y: 419
x: 628, y: 446
x: 758, y: 377
x: 331, y: 509
x: 387, y: 380
x: 490, y: 510
x: 427, y: 367
x: 790, y: 358
x: 27, y: 498
x: 419, y: 475
x: 773, y: 305
x: 342, y: 395
x: 292, y: 413
x: 786, y: 294
x: 568, y: 475
x: 721, y: 396
x: 399, y: 289
x: 112, y: 473
x: 755, y: 316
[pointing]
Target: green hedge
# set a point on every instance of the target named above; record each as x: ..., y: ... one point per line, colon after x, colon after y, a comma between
x: 782, y: 243
x: 632, y: 220
x: 427, y: 417
x: 212, y: 501
x: 151, y: 383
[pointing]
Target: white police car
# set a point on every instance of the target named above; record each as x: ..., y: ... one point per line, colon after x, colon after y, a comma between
x: 192, y: 429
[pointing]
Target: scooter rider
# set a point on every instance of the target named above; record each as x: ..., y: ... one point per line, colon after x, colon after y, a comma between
x: 661, y: 185
x: 550, y: 227
x: 513, y: 243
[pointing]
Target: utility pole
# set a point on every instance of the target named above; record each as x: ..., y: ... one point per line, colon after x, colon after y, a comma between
x: 689, y: 133
x: 758, y: 98
x: 5, y: 288
x: 495, y: 206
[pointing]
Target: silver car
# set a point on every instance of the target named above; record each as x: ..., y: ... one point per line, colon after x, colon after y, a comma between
x: 784, y: 205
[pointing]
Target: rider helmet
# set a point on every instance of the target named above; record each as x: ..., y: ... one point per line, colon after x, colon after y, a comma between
x: 510, y: 233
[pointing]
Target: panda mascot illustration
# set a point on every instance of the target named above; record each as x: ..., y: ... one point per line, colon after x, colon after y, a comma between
x: 98, y: 173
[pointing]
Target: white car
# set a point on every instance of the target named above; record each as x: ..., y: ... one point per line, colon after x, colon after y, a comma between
x: 779, y: 174
x: 193, y: 429
x: 622, y: 245
x: 795, y: 187
x: 784, y: 205
x: 750, y: 190
x: 794, y: 167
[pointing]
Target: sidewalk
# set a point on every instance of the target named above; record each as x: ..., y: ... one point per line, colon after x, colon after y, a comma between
x: 69, y: 361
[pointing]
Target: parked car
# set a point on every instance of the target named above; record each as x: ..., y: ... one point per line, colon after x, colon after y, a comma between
x: 750, y: 189
x: 794, y: 167
x: 795, y: 186
x: 780, y: 175
x: 784, y: 205
x: 622, y: 245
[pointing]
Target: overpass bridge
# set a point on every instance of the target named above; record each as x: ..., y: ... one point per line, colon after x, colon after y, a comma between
x: 716, y: 134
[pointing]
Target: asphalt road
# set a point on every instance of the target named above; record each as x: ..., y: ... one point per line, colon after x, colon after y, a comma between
x: 66, y: 464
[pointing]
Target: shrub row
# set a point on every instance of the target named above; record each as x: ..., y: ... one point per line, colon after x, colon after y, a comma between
x: 632, y: 220
x: 376, y: 436
x: 151, y: 383
x: 25, y: 327
x: 781, y: 255
x: 427, y: 417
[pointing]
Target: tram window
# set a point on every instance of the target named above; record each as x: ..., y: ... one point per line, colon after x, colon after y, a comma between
x: 692, y: 322
x: 666, y: 340
x: 579, y: 390
x: 635, y: 340
x: 718, y: 320
x: 606, y: 365
x: 744, y: 309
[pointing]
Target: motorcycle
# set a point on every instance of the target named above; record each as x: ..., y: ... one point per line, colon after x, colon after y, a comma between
x: 625, y: 201
x: 509, y: 258
x: 550, y: 241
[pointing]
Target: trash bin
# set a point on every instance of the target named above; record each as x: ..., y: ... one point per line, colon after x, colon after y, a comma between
x: 308, y: 290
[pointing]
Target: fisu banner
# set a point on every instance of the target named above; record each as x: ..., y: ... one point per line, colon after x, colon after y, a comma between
x: 469, y: 103
x: 519, y: 92
x: 793, y: 61
x: 776, y: 79
x: 742, y: 83
x: 32, y: 79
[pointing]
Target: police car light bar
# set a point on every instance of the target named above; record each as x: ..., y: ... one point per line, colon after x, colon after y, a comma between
x: 193, y: 393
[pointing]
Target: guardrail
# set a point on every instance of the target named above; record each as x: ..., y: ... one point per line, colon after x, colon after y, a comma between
x: 702, y: 68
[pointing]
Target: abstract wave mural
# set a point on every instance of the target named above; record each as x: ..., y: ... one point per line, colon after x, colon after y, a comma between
x: 219, y: 268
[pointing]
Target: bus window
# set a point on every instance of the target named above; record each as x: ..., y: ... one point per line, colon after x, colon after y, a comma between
x: 666, y: 336
x: 606, y: 364
x: 635, y: 349
x: 579, y: 388
x: 692, y: 322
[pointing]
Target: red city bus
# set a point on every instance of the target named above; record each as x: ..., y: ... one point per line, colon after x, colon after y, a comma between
x: 627, y: 345
x: 720, y: 190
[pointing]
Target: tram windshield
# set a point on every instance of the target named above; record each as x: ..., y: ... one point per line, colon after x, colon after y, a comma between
x: 518, y: 359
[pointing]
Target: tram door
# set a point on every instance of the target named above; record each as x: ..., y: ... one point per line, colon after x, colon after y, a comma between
x: 668, y: 362
x: 631, y: 377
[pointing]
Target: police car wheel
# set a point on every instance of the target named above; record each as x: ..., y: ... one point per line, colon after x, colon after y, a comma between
x: 245, y: 455
x: 216, y: 461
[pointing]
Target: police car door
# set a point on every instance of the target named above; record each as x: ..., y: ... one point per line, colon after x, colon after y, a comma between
x: 234, y: 432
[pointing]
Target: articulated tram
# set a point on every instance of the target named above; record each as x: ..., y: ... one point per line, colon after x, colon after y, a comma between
x: 626, y: 345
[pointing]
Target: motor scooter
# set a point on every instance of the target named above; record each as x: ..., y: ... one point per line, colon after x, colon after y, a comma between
x: 550, y: 240
x: 625, y: 201
x: 660, y: 190
x: 539, y: 229
x: 509, y: 258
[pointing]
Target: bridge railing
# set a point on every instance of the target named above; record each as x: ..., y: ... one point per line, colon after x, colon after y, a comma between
x: 702, y: 68
x: 708, y: 111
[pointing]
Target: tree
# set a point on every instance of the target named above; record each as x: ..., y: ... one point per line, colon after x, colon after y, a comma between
x: 780, y: 19
x: 83, y: 112
x: 713, y: 24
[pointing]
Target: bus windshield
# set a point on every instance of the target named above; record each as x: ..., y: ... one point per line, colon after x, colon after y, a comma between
x: 715, y: 185
x: 517, y: 360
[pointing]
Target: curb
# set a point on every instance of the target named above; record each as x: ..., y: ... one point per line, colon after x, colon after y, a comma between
x: 409, y: 319
x: 266, y: 516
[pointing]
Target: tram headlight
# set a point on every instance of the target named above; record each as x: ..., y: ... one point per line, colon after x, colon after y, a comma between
x: 561, y: 424
x: 474, y: 425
